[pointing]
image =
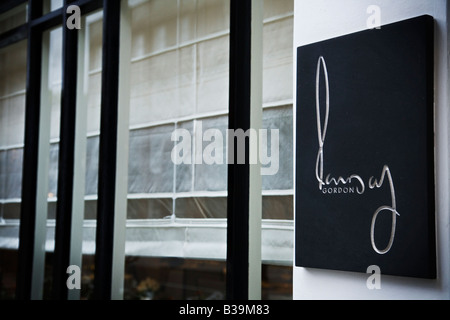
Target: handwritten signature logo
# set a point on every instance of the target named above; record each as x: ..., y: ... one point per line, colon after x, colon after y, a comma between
x: 343, y: 183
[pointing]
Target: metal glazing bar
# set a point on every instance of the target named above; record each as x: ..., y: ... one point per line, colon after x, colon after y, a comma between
x: 239, y: 174
x: 108, y: 150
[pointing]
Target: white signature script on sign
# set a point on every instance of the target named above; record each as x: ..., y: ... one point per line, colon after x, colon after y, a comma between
x: 333, y: 183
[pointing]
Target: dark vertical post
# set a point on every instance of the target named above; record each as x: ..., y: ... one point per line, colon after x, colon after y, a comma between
x: 108, y: 150
x: 30, y: 162
x: 66, y: 161
x: 239, y: 174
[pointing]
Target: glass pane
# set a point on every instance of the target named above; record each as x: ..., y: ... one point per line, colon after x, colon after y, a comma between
x: 213, y: 74
x: 154, y: 26
x: 201, y: 207
x: 93, y: 70
x: 174, y: 279
x: 162, y: 87
x: 211, y: 174
x: 179, y: 74
x: 92, y: 154
x: 276, y: 282
x: 149, y: 208
x: 184, y: 171
x: 53, y: 171
x: 13, y: 18
x: 90, y: 210
x: 3, y: 174
x: 12, y: 123
x: 13, y: 60
x: 278, y: 8
x: 87, y: 277
x: 150, y: 168
x: 278, y: 207
x: 277, y: 200
x: 13, y: 183
x: 51, y: 94
x: 213, y: 16
x: 8, y: 273
x: 51, y: 5
x: 11, y: 211
x: 92, y: 93
x: 280, y: 154
x: 278, y: 57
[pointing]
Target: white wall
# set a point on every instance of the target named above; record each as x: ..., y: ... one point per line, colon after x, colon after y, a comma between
x: 323, y: 19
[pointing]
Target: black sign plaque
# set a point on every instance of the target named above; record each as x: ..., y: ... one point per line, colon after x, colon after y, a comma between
x: 365, y: 151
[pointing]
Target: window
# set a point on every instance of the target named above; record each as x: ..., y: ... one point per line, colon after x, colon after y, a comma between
x: 176, y: 214
x: 179, y: 80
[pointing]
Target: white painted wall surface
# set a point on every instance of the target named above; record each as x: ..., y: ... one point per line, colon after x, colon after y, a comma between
x: 323, y: 19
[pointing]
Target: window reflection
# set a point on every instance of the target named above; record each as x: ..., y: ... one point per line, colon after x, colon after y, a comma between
x: 12, y: 124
